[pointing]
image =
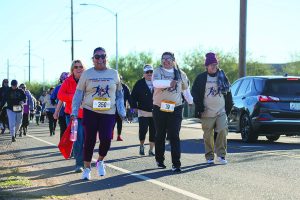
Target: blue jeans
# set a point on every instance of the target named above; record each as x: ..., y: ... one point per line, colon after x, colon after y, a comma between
x: 78, y: 144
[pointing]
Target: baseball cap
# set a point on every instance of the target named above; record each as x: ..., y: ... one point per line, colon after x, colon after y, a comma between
x: 148, y: 68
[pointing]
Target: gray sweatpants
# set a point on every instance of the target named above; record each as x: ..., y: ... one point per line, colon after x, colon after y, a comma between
x: 15, y: 120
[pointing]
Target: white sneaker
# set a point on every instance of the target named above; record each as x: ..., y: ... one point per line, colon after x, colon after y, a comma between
x: 210, y: 161
x: 222, y: 160
x: 86, y: 175
x: 101, y: 167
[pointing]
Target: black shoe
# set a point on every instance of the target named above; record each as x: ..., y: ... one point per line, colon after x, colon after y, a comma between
x: 142, y: 150
x: 13, y: 138
x: 176, y: 169
x: 161, y: 165
x: 20, y: 135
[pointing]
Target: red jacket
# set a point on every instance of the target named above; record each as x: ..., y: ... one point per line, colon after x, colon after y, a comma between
x: 66, y: 93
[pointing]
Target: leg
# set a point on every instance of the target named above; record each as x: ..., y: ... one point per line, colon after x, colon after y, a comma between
x: 208, y: 124
x: 174, y: 125
x: 221, y: 141
x: 143, y: 128
x: 160, y: 118
x: 105, y: 126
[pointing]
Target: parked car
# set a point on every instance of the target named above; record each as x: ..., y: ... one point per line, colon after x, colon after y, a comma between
x: 265, y: 106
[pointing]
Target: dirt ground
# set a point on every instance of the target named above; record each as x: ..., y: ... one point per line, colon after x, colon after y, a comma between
x: 18, y: 182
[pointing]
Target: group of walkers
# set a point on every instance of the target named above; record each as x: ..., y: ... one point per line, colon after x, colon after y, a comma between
x: 96, y: 98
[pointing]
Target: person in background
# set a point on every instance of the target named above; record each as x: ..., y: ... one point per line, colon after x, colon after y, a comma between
x: 38, y: 111
x: 59, y: 112
x: 127, y: 98
x: 213, y: 100
x: 28, y: 106
x: 50, y: 109
x: 3, y: 114
x: 15, y: 98
x: 66, y: 94
x: 142, y: 103
x: 32, y: 111
x: 99, y: 91
x: 42, y: 103
x: 169, y: 81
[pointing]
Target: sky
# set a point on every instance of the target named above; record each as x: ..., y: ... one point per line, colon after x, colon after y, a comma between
x: 154, y: 26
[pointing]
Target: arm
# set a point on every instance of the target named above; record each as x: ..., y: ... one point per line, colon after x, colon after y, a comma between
x: 161, y: 83
x: 120, y: 103
x: 134, y: 96
x: 78, y: 96
x: 57, y: 109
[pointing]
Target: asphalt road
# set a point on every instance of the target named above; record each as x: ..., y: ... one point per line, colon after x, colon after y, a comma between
x: 254, y: 171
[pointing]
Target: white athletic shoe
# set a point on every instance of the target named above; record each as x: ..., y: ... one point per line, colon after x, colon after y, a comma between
x: 101, y: 167
x: 86, y: 175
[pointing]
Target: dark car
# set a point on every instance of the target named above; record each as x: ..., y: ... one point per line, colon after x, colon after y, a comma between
x: 265, y: 106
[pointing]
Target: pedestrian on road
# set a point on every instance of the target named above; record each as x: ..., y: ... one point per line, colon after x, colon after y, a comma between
x: 213, y: 100
x: 38, y: 111
x: 42, y: 102
x: 127, y: 98
x: 66, y: 94
x: 99, y: 91
x: 59, y: 113
x: 50, y: 109
x: 142, y: 103
x: 3, y: 113
x: 28, y: 107
x: 169, y: 81
x: 15, y: 98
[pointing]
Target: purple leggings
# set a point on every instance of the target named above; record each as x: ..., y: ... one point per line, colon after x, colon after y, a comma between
x: 92, y: 123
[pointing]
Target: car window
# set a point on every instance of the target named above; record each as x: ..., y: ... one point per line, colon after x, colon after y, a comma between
x: 234, y: 87
x: 259, y: 84
x: 243, y: 88
x: 283, y: 87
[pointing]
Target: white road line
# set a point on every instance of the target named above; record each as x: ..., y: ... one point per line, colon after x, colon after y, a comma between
x: 142, y: 177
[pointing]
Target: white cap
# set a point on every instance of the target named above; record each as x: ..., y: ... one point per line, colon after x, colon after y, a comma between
x: 148, y: 68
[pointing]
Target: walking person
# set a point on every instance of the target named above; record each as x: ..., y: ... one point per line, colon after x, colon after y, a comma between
x: 213, y: 100
x: 65, y: 94
x: 38, y: 111
x: 59, y: 112
x: 169, y: 81
x: 3, y: 113
x: 127, y: 98
x: 99, y: 91
x: 142, y: 103
x: 28, y: 107
x: 50, y: 109
x: 42, y: 103
x: 15, y: 98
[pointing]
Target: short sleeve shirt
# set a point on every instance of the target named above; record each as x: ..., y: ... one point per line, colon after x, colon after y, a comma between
x: 99, y: 83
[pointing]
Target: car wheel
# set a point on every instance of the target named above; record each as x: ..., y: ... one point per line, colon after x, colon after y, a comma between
x: 273, y: 138
x: 247, y: 132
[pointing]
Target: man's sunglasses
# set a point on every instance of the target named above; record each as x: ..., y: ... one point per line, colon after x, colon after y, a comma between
x: 102, y: 56
x: 149, y: 72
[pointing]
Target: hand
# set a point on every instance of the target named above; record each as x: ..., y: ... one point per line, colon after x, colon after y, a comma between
x: 55, y: 115
x: 173, y: 84
x: 73, y: 117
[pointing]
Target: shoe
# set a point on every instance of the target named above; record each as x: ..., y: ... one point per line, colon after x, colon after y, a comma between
x: 25, y: 131
x: 176, y: 169
x: 142, y: 150
x: 222, y: 160
x: 13, y: 138
x: 210, y: 161
x: 86, y: 175
x: 78, y: 169
x: 161, y: 165
x: 101, y: 168
x: 20, y: 135
x: 2, y: 131
x: 151, y: 153
x: 119, y: 138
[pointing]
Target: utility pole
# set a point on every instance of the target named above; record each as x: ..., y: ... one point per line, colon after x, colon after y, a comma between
x: 72, y: 38
x: 29, y: 61
x: 242, y: 40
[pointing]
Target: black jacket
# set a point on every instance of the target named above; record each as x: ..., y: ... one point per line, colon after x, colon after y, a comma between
x: 198, y: 92
x: 142, y: 97
x: 15, y: 97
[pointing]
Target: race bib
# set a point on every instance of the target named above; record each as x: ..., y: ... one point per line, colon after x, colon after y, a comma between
x: 101, y: 103
x: 167, y: 106
x: 17, y: 108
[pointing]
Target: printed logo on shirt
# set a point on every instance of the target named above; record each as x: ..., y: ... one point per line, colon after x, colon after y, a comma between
x: 101, y: 92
